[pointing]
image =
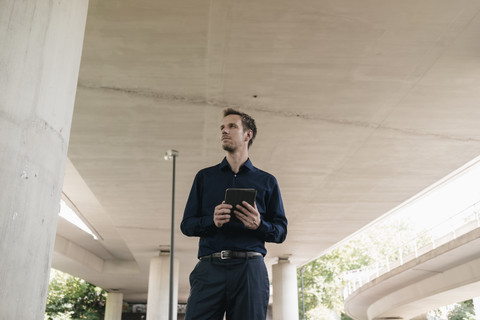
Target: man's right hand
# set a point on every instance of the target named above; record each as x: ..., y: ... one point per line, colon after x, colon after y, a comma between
x: 221, y: 215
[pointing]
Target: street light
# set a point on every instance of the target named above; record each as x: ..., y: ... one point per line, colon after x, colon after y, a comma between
x: 172, y: 154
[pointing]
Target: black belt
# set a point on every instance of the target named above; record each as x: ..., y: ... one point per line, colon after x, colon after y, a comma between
x: 227, y: 254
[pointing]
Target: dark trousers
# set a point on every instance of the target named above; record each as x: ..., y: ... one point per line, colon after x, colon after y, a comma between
x: 237, y: 288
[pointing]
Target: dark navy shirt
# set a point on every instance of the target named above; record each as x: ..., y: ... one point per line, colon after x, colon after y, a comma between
x: 208, y: 191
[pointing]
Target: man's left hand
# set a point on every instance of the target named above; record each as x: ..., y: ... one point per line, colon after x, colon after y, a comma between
x: 248, y: 215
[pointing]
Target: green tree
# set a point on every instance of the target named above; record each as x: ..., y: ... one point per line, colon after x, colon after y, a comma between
x: 71, y: 298
x: 323, y: 280
x: 463, y: 311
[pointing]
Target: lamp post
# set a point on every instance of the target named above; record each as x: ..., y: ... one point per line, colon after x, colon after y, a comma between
x: 172, y: 154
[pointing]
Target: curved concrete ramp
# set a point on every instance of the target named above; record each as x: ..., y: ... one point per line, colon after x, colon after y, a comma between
x: 445, y: 275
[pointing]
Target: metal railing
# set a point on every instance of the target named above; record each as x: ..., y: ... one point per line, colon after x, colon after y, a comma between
x: 448, y: 230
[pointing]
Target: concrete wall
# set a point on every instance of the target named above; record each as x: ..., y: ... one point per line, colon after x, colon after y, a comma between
x: 41, y: 44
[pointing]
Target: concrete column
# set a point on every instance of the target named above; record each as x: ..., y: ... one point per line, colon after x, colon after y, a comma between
x: 41, y: 44
x: 113, y: 308
x: 285, y: 291
x: 159, y: 288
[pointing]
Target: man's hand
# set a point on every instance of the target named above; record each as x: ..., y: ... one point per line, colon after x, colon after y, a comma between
x: 221, y: 214
x: 249, y: 215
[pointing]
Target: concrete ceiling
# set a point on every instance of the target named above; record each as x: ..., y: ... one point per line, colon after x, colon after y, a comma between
x: 360, y: 105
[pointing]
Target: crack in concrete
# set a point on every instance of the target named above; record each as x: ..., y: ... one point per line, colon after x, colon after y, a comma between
x: 369, y: 125
x: 36, y: 123
x: 41, y: 124
x: 144, y: 93
x: 281, y: 113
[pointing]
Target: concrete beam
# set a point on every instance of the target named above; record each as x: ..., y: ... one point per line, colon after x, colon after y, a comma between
x: 445, y: 275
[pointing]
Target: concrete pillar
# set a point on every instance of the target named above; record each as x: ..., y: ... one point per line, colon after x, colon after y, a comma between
x: 113, y: 308
x: 159, y: 288
x: 285, y: 291
x: 41, y: 44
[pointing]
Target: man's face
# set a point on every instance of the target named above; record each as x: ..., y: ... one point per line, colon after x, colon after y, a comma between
x: 232, y: 134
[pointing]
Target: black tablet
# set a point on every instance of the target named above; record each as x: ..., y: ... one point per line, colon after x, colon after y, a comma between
x: 235, y: 196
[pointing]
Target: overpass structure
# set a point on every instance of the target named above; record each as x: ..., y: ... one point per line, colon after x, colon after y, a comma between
x: 359, y: 105
x: 443, y: 272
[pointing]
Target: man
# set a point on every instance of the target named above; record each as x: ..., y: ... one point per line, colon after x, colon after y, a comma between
x: 230, y: 278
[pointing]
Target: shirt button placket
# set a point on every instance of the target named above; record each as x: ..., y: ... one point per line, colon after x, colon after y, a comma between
x: 234, y: 180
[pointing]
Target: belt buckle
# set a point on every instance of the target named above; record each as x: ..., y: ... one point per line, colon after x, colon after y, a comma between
x: 225, y: 254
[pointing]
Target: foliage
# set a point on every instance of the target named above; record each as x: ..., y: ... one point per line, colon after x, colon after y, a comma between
x: 71, y: 298
x: 462, y: 311
x: 345, y: 317
x: 322, y: 282
x: 323, y: 278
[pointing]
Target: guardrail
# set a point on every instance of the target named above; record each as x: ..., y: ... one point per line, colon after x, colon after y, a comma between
x: 448, y: 230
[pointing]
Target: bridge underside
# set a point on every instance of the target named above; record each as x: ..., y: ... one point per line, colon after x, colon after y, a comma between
x: 442, y: 276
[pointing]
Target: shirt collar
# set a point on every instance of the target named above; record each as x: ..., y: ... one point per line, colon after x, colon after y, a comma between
x: 246, y: 166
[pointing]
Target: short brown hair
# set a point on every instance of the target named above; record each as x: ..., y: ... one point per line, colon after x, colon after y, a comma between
x: 247, y: 122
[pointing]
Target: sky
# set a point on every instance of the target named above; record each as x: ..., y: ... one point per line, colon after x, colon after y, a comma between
x: 68, y: 214
x: 450, y: 196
